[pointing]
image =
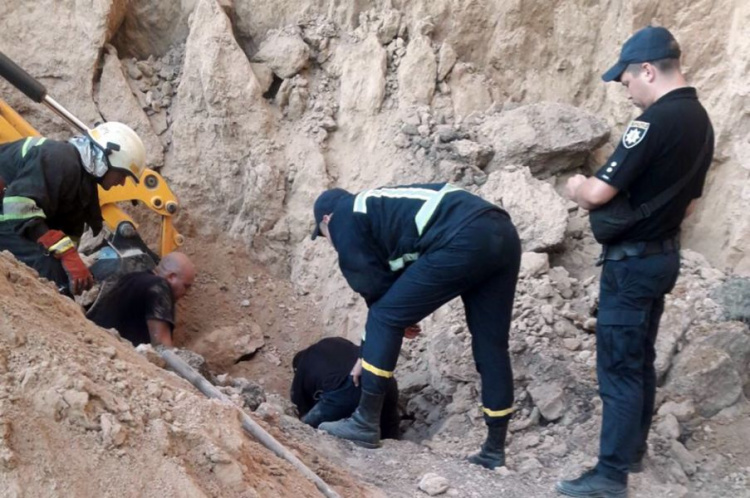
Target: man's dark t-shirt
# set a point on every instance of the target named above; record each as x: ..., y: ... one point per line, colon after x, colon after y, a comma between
x: 136, y: 298
x: 325, y: 367
x: 657, y: 149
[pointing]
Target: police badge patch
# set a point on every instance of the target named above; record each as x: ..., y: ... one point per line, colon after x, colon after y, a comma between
x: 634, y: 134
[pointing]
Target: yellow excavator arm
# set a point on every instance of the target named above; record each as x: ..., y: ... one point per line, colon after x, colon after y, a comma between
x: 152, y: 190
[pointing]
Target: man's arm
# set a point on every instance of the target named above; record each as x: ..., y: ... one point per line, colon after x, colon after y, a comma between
x: 160, y: 333
x: 589, y: 193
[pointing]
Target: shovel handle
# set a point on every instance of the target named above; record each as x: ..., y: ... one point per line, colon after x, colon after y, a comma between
x: 21, y: 79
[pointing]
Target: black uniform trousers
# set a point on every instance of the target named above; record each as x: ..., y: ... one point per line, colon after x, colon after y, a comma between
x: 631, y: 302
x: 33, y: 254
x: 480, y: 264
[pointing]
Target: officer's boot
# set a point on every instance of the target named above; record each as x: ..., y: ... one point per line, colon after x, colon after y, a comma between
x: 363, y: 427
x: 492, y: 454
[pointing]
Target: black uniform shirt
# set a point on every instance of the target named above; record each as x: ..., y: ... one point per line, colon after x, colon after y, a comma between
x: 136, y: 298
x: 656, y: 150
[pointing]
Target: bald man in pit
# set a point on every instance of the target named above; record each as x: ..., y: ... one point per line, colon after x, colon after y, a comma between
x: 141, y: 306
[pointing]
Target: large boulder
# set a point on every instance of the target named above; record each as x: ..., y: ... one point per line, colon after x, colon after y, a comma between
x: 225, y: 346
x: 417, y: 73
x: 285, y: 53
x: 708, y: 376
x: 363, y: 76
x: 539, y: 213
x: 547, y: 137
x: 549, y: 398
x: 220, y: 159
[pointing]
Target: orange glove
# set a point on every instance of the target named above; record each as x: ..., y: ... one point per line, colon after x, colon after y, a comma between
x: 61, y: 247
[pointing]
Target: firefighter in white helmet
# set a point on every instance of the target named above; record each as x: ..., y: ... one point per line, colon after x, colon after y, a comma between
x: 49, y: 193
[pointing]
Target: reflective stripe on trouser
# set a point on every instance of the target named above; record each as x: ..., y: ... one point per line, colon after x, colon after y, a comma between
x: 480, y: 264
x: 631, y: 301
x: 31, y: 253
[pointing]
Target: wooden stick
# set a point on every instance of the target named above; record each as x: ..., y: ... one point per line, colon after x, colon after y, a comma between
x: 248, y: 424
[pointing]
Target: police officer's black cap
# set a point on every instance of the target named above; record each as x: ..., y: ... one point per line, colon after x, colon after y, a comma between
x: 325, y: 204
x: 646, y: 45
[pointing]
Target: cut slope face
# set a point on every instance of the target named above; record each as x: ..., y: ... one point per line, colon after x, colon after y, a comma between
x: 82, y: 414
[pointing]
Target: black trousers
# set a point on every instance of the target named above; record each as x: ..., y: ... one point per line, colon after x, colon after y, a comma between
x: 32, y: 254
x: 480, y: 264
x: 631, y: 302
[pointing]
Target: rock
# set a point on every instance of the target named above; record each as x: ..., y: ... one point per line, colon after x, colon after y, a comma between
x: 433, y: 484
x: 734, y: 339
x: 549, y: 138
x: 549, y: 397
x: 572, y: 344
x: 683, y: 411
x: 539, y: 213
x: 534, y: 264
x: 363, y: 77
x: 416, y: 73
x: 669, y: 427
x: 109, y: 351
x: 504, y: 471
x: 390, y: 21
x: 683, y: 457
x: 224, y: 346
x: 734, y: 296
x: 708, y: 376
x: 446, y: 60
x: 471, y: 153
x: 113, y: 434
x: 530, y: 466
x: 285, y: 54
x: 446, y: 133
x: 560, y: 278
x: 559, y: 450
x: 469, y: 90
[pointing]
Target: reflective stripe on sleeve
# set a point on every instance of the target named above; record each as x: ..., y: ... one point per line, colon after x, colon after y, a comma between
x: 377, y: 371
x: 20, y: 208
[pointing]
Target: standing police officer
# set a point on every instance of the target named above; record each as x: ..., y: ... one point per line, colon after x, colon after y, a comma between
x: 409, y: 250
x: 672, y: 141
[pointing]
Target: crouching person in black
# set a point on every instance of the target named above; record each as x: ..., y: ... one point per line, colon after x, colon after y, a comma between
x: 324, y: 391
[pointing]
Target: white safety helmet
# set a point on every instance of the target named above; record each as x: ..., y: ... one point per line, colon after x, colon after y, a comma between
x: 122, y: 147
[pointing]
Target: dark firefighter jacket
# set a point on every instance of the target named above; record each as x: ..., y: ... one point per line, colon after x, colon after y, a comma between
x: 378, y: 232
x: 46, y: 187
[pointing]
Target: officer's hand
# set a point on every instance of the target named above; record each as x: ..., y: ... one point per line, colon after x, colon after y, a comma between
x: 412, y: 331
x: 356, y: 372
x: 574, y: 182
